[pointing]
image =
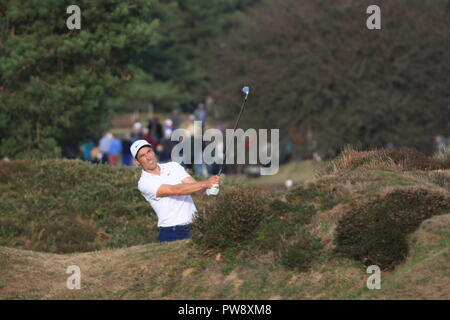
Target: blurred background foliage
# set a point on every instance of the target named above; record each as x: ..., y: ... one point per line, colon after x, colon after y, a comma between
x: 315, y: 64
x: 312, y: 65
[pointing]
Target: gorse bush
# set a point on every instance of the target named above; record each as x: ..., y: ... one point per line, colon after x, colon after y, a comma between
x: 376, y: 232
x: 67, y: 205
x: 231, y: 219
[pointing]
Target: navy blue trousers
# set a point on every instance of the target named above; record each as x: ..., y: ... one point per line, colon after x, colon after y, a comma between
x: 167, y: 234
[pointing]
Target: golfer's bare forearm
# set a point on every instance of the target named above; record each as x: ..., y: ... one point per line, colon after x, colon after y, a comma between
x: 199, y: 193
x: 181, y: 189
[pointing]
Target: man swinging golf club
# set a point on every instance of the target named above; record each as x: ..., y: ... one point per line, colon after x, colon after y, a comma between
x: 167, y: 187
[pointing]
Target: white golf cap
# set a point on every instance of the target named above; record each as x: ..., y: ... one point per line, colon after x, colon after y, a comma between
x: 137, y: 145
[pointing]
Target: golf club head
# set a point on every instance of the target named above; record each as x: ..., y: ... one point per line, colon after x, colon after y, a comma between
x: 246, y: 90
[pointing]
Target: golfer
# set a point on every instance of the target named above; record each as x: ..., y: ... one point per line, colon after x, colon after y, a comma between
x: 167, y: 187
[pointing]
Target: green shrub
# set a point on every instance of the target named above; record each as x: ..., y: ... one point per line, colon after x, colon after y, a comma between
x: 300, y: 254
x: 281, y: 206
x: 376, y: 232
x: 286, y: 219
x: 307, y: 195
x: 230, y: 219
x: 9, y: 228
x: 43, y: 202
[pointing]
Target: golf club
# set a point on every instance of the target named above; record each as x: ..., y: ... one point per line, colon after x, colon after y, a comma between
x: 214, y: 190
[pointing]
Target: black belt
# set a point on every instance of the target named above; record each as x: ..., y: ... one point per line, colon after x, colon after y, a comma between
x: 183, y: 227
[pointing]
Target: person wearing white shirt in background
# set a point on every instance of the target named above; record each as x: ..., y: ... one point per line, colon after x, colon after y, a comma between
x: 168, y: 188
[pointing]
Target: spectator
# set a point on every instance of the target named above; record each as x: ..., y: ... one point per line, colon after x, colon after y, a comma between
x: 137, y: 131
x: 86, y: 150
x: 127, y: 159
x: 156, y: 131
x: 146, y: 136
x: 96, y: 155
x: 190, y: 125
x: 104, y: 146
x: 168, y: 123
x: 200, y: 113
x: 177, y: 119
x: 114, y: 151
x: 441, y: 143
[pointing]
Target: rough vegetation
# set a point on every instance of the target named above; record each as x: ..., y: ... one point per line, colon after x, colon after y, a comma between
x: 64, y: 206
x: 231, y: 219
x: 249, y: 242
x: 404, y: 159
x: 376, y: 232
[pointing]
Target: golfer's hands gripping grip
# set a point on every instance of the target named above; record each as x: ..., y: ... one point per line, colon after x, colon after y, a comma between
x: 213, y: 190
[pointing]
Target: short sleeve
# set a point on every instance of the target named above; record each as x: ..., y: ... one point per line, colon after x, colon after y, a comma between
x: 181, y: 172
x: 149, y: 187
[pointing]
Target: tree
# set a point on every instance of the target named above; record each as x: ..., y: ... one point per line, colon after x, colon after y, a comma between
x: 175, y: 71
x: 316, y: 63
x: 54, y: 81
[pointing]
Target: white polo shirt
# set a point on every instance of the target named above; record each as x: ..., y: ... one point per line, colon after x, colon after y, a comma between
x: 172, y: 210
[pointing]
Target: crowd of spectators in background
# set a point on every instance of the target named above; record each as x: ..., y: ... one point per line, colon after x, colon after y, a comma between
x: 115, y: 151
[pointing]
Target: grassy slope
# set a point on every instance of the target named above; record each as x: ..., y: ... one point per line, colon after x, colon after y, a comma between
x: 174, y: 271
x: 179, y: 271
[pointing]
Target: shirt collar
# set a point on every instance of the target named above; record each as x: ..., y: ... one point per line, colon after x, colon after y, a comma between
x: 164, y: 171
x: 161, y: 171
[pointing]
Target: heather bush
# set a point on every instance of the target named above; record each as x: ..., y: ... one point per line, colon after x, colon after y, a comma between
x: 281, y: 225
x: 302, y: 252
x: 68, y: 205
x: 376, y: 232
x: 231, y: 219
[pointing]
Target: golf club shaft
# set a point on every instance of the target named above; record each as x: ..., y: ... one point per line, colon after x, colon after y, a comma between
x: 235, y: 126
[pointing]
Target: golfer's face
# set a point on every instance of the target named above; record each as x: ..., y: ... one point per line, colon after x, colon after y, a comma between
x: 146, y: 158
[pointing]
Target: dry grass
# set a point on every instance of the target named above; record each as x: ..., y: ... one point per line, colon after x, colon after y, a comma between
x: 401, y: 159
x: 345, y: 161
x: 442, y: 155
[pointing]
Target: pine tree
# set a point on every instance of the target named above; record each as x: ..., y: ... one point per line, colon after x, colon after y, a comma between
x: 54, y: 81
